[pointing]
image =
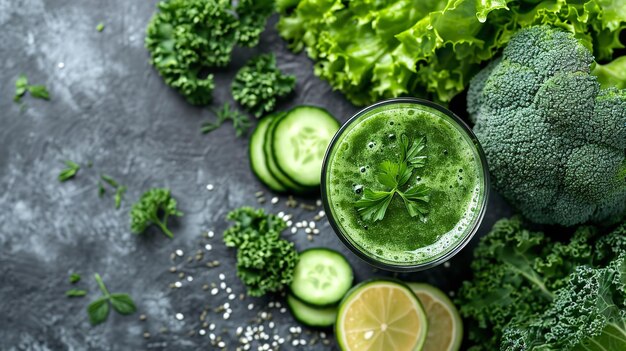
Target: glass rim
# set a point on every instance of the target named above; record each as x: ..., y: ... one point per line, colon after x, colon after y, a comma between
x: 453, y: 250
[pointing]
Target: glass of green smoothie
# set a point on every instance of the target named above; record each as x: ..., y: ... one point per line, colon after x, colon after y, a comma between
x: 405, y: 184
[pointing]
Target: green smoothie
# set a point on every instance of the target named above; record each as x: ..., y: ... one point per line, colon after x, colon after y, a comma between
x: 450, y: 175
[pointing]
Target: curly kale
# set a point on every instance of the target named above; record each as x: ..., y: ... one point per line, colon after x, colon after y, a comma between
x: 265, y: 261
x: 153, y: 208
x: 555, y: 141
x: 251, y: 223
x: 259, y: 84
x: 187, y: 38
x: 529, y: 292
x: 266, y: 264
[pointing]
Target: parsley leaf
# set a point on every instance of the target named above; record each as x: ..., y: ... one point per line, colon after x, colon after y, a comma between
x: 373, y: 204
x: 75, y: 293
x: 395, y: 175
x: 39, y: 92
x: 241, y: 122
x: 153, y: 208
x: 74, y: 278
x: 109, y: 180
x: 69, y: 172
x: 98, y: 310
x: 118, y: 196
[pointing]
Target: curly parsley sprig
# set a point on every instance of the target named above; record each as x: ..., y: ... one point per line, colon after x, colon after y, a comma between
x: 394, y: 176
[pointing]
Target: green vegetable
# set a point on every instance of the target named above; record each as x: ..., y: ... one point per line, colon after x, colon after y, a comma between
x: 119, y: 189
x: 98, y: 310
x: 249, y: 224
x: 394, y: 175
x: 259, y: 84
x: 529, y: 292
x: 265, y: 261
x: 187, y: 38
x: 100, y: 27
x: 153, y: 208
x: 241, y: 122
x: 554, y: 140
x: 371, y: 50
x: 74, y: 278
x: 75, y: 293
x: 69, y: 172
x: 36, y: 91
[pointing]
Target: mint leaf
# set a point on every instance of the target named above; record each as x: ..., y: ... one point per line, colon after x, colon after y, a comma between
x: 373, y: 205
x: 75, y: 293
x: 98, y: 310
x: 74, y: 278
x: 123, y: 304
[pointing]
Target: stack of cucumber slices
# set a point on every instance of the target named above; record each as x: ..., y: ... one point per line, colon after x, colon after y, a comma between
x: 287, y: 148
x: 321, y: 279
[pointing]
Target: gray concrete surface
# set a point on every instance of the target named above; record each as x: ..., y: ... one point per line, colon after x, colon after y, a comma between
x: 108, y: 106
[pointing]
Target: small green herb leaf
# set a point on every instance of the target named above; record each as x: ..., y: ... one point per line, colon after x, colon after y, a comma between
x: 74, y: 278
x: 109, y: 180
x: 100, y: 27
x: 208, y: 127
x: 373, y: 205
x: 154, y: 208
x: 75, y: 293
x: 416, y: 199
x: 39, y: 92
x: 98, y: 310
x: 21, y: 86
x: 101, y: 189
x: 123, y: 304
x: 388, y: 175
x: 119, y: 194
x: 69, y: 172
x: 411, y: 151
x: 241, y: 122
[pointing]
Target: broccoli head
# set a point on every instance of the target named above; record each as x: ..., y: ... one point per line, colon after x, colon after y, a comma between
x: 554, y: 140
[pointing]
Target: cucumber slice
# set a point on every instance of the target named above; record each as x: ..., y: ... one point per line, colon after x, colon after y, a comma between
x: 311, y: 315
x: 322, y: 277
x: 271, y: 162
x: 258, y: 162
x: 300, y: 141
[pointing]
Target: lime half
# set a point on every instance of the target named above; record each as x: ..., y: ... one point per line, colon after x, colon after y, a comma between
x: 381, y: 315
x: 445, y: 328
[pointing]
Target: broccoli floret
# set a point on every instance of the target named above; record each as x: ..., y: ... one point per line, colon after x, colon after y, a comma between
x: 555, y: 141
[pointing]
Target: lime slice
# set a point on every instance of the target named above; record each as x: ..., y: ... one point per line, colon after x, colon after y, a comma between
x: 445, y: 328
x: 381, y: 315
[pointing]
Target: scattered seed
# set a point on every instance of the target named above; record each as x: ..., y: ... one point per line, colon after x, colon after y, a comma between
x: 146, y: 335
x: 142, y: 317
x: 214, y: 291
x: 178, y: 284
x: 222, y: 276
x: 189, y: 278
x: 210, y: 234
x: 274, y: 200
x: 202, y: 332
x: 258, y: 194
x: 179, y: 316
x: 208, y: 247
x: 210, y: 187
x: 179, y: 252
x: 173, y: 269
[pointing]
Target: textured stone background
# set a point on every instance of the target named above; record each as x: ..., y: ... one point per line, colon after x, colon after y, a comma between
x: 110, y: 107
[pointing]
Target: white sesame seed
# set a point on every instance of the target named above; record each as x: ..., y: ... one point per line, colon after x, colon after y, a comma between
x: 321, y: 213
x: 292, y: 330
x: 446, y: 264
x: 212, y: 326
x: 299, y: 225
x: 318, y: 202
x: 294, y: 230
x: 210, y: 187
x: 222, y: 276
x: 250, y: 306
x: 61, y: 65
x: 212, y: 336
x: 226, y: 305
x: 208, y: 247
x: 311, y: 224
x: 322, y: 335
x: 295, y: 342
x: 223, y: 285
x: 239, y: 331
x: 202, y: 332
x: 305, y: 223
x: 289, y: 223
x: 178, y: 284
x: 270, y: 325
x: 266, y: 346
x: 283, y: 310
x: 316, y: 231
x: 226, y: 315
x: 264, y: 316
x: 278, y: 304
x: 231, y: 296
x: 281, y: 340
x: 229, y: 290
x: 210, y: 234
x: 274, y: 200
x: 308, y: 230
x: 179, y: 252
x: 221, y: 344
x: 281, y: 214
x: 302, y: 342
x: 189, y: 278
x: 214, y: 291
x: 271, y: 304
x: 288, y: 217
x: 179, y: 316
